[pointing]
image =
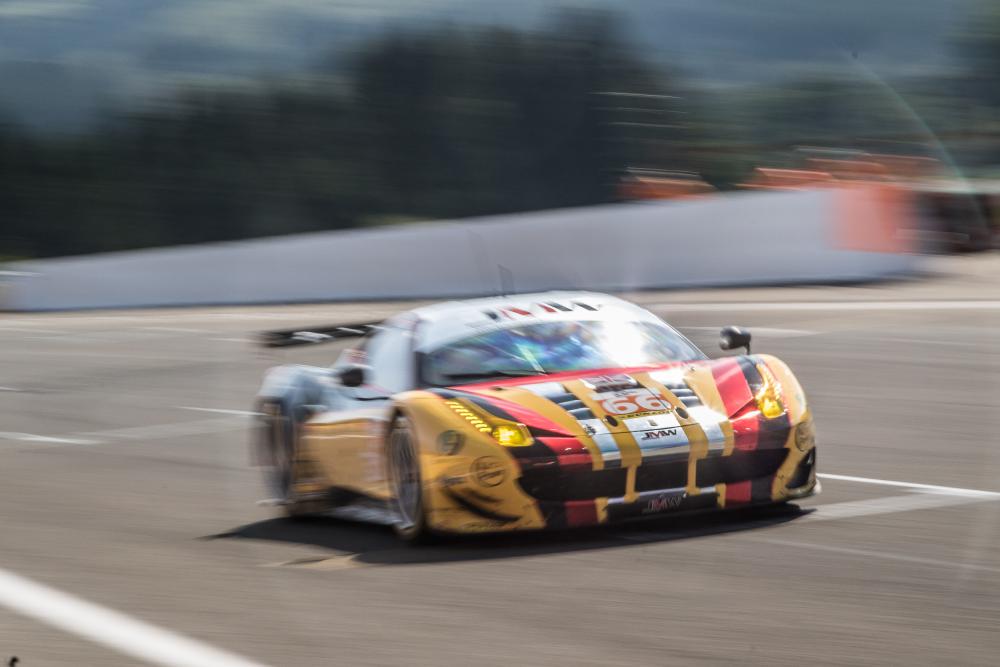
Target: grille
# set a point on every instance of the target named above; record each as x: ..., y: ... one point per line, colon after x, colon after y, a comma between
x: 560, y: 484
x: 740, y: 466
x: 552, y: 483
x: 651, y: 477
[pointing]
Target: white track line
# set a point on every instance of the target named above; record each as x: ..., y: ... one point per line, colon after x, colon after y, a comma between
x: 867, y: 553
x: 176, y: 329
x: 110, y: 628
x: 31, y: 437
x: 31, y: 330
x: 223, y: 411
x: 826, y: 305
x: 171, y: 430
x: 926, y: 341
x: 949, y: 490
x: 237, y: 421
x: 889, y: 505
x: 856, y: 508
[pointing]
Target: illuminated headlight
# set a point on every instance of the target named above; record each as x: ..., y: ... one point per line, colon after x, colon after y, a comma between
x: 769, y: 397
x: 505, y: 432
x: 512, y: 434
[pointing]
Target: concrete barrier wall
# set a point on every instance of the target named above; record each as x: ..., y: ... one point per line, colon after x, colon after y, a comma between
x: 742, y: 238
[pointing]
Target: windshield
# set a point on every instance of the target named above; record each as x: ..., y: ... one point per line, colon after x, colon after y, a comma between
x: 547, y: 347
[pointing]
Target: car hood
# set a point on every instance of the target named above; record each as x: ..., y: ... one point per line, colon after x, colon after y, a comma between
x: 627, y: 416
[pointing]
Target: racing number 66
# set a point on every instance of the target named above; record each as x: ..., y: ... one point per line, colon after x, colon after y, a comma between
x: 623, y: 405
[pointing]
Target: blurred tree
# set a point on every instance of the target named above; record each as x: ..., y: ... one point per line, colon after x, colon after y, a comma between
x: 978, y: 43
x: 431, y: 124
x: 439, y: 123
x: 490, y: 121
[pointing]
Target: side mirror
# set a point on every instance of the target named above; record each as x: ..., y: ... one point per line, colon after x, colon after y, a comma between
x: 731, y: 338
x: 353, y: 376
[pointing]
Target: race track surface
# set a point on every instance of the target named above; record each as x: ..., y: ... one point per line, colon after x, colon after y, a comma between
x: 126, y: 484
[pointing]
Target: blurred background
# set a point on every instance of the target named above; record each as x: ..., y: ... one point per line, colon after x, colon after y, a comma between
x: 136, y: 123
x: 825, y: 173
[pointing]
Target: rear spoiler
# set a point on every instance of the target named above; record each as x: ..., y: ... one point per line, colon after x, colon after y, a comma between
x: 314, y: 335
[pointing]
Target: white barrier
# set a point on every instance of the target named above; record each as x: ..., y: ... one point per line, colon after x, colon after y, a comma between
x: 735, y: 239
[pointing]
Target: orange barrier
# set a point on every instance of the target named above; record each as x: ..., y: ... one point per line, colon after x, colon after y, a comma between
x: 765, y: 178
x: 875, y: 217
x: 639, y: 186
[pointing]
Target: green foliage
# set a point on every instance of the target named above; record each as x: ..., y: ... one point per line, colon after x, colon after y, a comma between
x: 978, y: 44
x: 432, y: 124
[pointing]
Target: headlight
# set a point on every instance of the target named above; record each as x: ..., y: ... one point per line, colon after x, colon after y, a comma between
x: 769, y: 397
x: 512, y: 434
x: 504, y: 431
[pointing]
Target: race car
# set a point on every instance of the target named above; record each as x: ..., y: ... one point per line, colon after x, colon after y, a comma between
x: 534, y: 411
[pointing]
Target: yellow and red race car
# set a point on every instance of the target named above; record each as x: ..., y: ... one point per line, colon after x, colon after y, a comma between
x: 531, y: 411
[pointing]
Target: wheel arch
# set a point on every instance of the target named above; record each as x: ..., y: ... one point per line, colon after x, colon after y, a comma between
x: 291, y: 388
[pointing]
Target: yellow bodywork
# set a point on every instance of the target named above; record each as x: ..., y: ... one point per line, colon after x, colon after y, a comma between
x: 473, y: 487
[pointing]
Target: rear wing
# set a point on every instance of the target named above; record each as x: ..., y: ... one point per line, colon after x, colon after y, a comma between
x: 313, y: 335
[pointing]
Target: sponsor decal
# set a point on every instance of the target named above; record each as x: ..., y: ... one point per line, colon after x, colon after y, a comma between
x: 664, y: 503
x: 512, y: 311
x: 489, y: 471
x: 449, y: 442
x: 652, y: 422
x: 605, y: 383
x: 355, y: 356
x: 629, y: 403
x: 659, y: 434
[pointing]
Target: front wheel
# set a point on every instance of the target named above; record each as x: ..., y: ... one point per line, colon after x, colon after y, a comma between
x: 403, y: 465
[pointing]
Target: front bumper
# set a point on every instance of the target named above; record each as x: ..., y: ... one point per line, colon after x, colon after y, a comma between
x: 556, y: 498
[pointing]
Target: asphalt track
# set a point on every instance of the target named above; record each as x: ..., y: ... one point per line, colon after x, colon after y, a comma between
x: 129, y: 532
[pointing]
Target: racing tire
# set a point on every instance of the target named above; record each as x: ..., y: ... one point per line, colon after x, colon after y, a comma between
x: 280, y: 439
x: 406, y: 483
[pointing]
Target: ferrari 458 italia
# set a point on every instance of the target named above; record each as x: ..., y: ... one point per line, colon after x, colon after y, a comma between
x: 526, y: 412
